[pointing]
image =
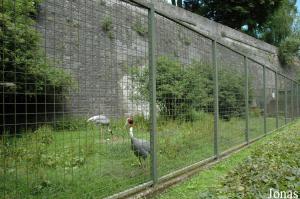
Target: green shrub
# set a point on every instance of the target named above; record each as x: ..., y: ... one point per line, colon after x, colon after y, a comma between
x: 255, y: 112
x: 182, y: 91
x: 22, y: 60
x: 107, y: 24
x: 21, y: 51
x: 44, y: 135
x: 71, y: 123
x: 36, y: 149
x: 140, y: 29
x: 274, y: 164
x: 289, y: 48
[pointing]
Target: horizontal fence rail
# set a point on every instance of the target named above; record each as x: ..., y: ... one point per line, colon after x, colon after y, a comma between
x: 107, y: 98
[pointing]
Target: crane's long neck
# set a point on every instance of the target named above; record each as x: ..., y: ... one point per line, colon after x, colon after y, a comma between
x: 131, y: 132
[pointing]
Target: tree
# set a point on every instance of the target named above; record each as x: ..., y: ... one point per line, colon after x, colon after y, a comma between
x: 22, y: 59
x: 237, y: 13
x: 23, y: 64
x: 269, y: 20
x: 280, y: 24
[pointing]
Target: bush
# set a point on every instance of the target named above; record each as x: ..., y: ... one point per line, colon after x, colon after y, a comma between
x: 289, y: 48
x: 71, y: 123
x: 24, y: 64
x: 273, y: 165
x: 21, y: 52
x: 140, y: 29
x: 107, y: 26
x: 36, y: 148
x: 184, y: 90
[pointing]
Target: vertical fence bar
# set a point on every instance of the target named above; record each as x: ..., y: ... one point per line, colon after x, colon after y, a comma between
x: 292, y: 100
x: 285, y: 101
x: 152, y: 76
x: 216, y: 99
x: 297, y: 93
x: 246, y: 99
x: 265, y: 100
x: 277, y: 99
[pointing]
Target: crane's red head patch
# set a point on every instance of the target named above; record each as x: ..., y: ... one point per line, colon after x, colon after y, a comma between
x: 130, y: 121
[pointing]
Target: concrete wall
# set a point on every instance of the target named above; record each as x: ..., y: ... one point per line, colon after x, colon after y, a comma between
x: 74, y: 38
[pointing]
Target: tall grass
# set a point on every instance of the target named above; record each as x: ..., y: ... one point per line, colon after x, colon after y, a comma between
x: 90, y: 162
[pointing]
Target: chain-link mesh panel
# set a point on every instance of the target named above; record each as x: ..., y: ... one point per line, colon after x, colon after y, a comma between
x: 295, y: 111
x: 298, y: 100
x: 74, y: 89
x: 289, y: 98
x: 281, y: 100
x: 74, y: 61
x: 256, y: 108
x: 184, y: 90
x: 232, y: 85
x: 270, y: 100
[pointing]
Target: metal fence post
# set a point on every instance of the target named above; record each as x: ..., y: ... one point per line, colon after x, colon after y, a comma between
x: 246, y: 99
x: 292, y: 101
x: 152, y: 76
x: 216, y: 100
x: 277, y: 99
x: 265, y: 100
x: 297, y: 93
x: 285, y: 101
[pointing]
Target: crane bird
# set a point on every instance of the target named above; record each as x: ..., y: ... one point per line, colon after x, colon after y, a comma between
x: 140, y: 147
x: 102, y: 120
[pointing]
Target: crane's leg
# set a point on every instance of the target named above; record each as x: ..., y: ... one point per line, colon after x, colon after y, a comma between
x: 140, y: 161
x: 145, y: 164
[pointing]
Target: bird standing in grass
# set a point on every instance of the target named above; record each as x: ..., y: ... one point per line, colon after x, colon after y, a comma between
x: 101, y: 120
x: 140, y: 147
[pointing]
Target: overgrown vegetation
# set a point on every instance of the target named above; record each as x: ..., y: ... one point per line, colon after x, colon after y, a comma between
x: 24, y: 65
x: 107, y: 27
x: 274, y: 165
x: 52, y: 161
x: 71, y: 123
x: 21, y: 53
x: 289, y: 49
x: 140, y: 28
x: 182, y: 91
x: 203, y: 185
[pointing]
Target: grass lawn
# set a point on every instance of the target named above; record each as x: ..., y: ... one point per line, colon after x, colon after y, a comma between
x: 89, y: 162
x: 210, y: 178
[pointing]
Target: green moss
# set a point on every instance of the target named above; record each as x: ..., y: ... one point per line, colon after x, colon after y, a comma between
x: 140, y: 29
x: 107, y: 27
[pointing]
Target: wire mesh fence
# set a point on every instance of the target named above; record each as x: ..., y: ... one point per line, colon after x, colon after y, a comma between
x: 99, y: 96
x: 256, y: 102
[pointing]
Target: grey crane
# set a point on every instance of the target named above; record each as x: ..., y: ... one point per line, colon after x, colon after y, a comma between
x: 140, y: 147
x: 102, y: 120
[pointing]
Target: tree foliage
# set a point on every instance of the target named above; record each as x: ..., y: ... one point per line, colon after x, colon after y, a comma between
x: 22, y: 60
x: 24, y: 66
x: 268, y: 20
x: 289, y: 49
x: 236, y: 13
x: 279, y: 25
x: 184, y: 90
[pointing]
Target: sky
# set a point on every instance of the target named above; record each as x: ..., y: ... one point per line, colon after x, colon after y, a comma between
x: 298, y: 5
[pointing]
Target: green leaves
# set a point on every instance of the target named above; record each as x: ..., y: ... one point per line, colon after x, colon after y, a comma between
x: 289, y: 49
x: 274, y: 164
x: 21, y: 50
x: 184, y: 90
